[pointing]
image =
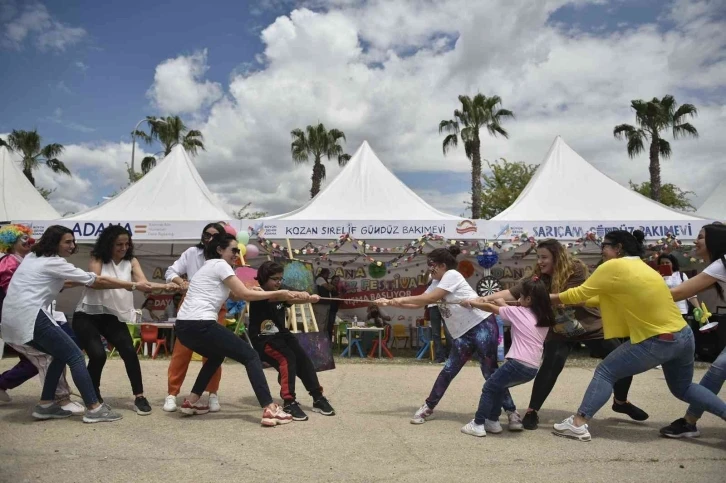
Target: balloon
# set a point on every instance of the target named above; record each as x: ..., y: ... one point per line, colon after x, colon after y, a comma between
x: 242, y: 250
x: 465, y: 268
x: 243, y: 238
x: 488, y: 259
x: 252, y: 251
x: 230, y: 229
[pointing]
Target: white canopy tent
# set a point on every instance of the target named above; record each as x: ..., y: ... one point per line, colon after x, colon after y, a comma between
x: 365, y: 190
x: 715, y: 205
x: 19, y: 199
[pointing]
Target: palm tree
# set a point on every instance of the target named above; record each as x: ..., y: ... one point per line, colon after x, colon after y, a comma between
x: 169, y: 131
x: 317, y: 142
x: 28, y: 145
x: 476, y: 113
x: 651, y: 118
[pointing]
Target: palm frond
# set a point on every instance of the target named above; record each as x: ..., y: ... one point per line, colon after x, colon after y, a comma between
x: 664, y: 148
x: 299, y: 146
x: 57, y: 166
x: 450, y: 142
x: 143, y: 136
x: 343, y: 159
x: 3, y: 143
x: 636, y: 143
x: 449, y: 126
x: 52, y: 150
x: 685, y: 129
x: 322, y: 172
x: 336, y: 134
x: 622, y: 130
x: 147, y: 164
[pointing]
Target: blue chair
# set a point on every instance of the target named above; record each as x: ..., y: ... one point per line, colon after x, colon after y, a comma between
x: 353, y: 342
x: 424, y: 340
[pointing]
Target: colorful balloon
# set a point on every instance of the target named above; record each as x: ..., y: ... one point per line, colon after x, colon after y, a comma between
x: 488, y: 259
x: 252, y: 251
x: 243, y: 238
x: 242, y: 250
x: 230, y: 229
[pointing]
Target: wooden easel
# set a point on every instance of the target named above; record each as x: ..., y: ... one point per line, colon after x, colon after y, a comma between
x: 298, y: 310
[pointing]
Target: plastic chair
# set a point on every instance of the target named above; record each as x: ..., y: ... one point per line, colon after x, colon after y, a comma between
x: 150, y: 335
x: 400, y: 332
x: 424, y: 338
x: 384, y: 343
x: 341, y: 333
x: 135, y: 339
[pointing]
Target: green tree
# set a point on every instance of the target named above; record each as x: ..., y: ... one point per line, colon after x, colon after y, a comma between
x: 169, y: 131
x: 502, y: 187
x: 651, y: 118
x: 45, y: 192
x: 28, y: 145
x: 317, y: 142
x: 670, y: 195
x: 476, y: 113
x: 244, y: 214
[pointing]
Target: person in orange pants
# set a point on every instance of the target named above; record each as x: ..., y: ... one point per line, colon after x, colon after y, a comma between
x: 188, y: 263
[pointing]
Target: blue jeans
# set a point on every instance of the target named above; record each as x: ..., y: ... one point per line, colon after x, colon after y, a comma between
x: 676, y: 357
x: 482, y: 339
x: 712, y: 380
x: 53, y: 340
x: 440, y: 352
x: 511, y: 373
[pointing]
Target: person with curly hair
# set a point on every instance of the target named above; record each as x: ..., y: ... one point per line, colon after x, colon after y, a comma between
x: 106, y: 313
x: 26, y: 319
x: 581, y: 324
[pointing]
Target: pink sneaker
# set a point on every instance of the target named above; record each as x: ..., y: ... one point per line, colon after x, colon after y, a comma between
x: 192, y: 409
x: 274, y: 416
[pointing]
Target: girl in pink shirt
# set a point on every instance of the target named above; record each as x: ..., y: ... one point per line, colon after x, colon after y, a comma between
x: 530, y: 323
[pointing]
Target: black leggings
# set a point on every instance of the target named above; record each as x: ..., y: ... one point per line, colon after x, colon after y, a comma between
x: 211, y: 340
x: 555, y: 356
x: 89, y: 329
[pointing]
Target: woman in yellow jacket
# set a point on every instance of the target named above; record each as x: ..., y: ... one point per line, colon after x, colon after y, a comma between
x: 634, y: 302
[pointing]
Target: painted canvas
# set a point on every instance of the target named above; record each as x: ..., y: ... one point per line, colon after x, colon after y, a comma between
x: 298, y: 275
x: 318, y: 347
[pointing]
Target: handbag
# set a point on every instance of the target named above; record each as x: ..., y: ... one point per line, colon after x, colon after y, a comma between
x: 566, y: 323
x: 317, y: 346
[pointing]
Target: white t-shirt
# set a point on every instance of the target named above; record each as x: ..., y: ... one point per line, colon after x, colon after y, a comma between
x: 188, y: 263
x: 458, y: 319
x: 36, y: 282
x: 673, y: 281
x: 207, y: 291
x: 716, y: 270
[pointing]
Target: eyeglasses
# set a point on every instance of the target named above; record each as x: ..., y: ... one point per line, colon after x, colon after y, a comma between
x: 235, y: 251
x: 206, y: 235
x: 276, y: 279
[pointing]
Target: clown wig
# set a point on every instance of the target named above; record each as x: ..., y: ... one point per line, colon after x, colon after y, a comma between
x: 9, y: 234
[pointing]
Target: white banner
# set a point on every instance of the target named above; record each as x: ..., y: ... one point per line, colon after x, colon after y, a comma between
x: 165, y: 231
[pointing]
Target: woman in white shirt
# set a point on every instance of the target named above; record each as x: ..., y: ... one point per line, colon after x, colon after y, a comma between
x: 188, y: 263
x: 106, y: 312
x: 473, y: 331
x: 675, y: 279
x: 36, y: 283
x: 711, y: 246
x: 197, y: 327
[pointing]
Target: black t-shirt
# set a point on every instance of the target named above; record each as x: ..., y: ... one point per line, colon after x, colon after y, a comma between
x: 264, y: 316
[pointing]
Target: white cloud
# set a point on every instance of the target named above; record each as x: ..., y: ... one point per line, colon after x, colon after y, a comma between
x: 58, y: 118
x: 81, y: 66
x: 179, y: 86
x: 36, y: 22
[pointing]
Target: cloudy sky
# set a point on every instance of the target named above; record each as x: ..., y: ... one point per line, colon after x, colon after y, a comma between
x: 246, y: 73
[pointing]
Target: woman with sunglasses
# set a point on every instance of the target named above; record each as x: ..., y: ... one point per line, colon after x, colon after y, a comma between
x: 188, y: 264
x: 635, y: 302
x: 711, y: 246
x: 559, y: 271
x: 197, y: 328
x: 26, y: 320
x: 474, y: 331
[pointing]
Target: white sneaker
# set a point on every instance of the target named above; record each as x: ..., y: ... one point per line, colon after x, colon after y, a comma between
x: 214, y: 406
x: 492, y: 426
x: 567, y: 429
x: 4, y: 396
x: 422, y: 415
x: 474, y: 429
x: 170, y: 404
x: 76, y: 408
x: 515, y: 421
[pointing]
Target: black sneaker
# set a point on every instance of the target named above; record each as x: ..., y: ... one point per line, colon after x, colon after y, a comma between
x: 142, y: 406
x: 680, y: 428
x: 294, y: 410
x: 631, y: 410
x: 530, y: 420
x: 323, y: 407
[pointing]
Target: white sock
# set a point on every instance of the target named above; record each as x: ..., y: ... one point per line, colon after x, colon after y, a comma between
x: 97, y: 409
x: 46, y: 405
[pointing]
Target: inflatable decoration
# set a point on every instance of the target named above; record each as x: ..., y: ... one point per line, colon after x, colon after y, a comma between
x: 243, y: 238
x: 488, y: 259
x: 466, y: 268
x: 377, y: 271
x: 252, y: 251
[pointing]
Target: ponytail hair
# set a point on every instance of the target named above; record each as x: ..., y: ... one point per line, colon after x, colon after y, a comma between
x: 541, y: 306
x: 446, y: 256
